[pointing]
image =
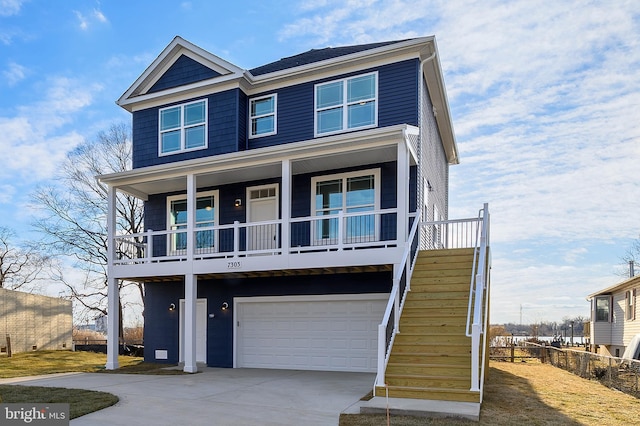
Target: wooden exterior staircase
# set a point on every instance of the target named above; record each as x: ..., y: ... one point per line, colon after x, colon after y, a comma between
x: 431, y: 355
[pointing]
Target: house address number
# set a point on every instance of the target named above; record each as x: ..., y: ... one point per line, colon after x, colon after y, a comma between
x: 234, y: 265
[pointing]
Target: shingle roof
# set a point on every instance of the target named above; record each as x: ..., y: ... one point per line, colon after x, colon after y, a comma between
x: 316, y: 55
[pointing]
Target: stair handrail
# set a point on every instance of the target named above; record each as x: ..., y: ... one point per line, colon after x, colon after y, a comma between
x: 396, y: 300
x: 478, y: 296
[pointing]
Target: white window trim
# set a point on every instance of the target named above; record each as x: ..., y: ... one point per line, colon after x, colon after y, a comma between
x: 344, y: 177
x: 182, y: 128
x: 345, y: 127
x: 274, y: 113
x: 181, y: 197
x: 630, y: 305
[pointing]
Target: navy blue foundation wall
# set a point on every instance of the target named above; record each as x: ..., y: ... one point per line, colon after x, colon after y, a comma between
x: 161, y: 325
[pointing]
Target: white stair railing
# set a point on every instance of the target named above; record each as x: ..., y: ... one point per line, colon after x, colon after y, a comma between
x: 477, y: 315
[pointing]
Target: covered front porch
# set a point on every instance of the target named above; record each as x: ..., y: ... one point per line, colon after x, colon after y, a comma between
x: 366, y: 236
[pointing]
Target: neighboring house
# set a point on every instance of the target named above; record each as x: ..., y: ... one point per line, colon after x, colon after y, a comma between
x: 30, y: 322
x: 281, y: 204
x: 614, y: 317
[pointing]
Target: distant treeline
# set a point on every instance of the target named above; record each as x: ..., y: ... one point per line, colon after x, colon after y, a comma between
x: 544, y: 328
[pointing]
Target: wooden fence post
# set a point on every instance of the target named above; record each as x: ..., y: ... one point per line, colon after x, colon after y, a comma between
x: 8, y: 346
x: 513, y: 352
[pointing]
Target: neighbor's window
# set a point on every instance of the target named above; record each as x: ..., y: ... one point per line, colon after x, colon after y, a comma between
x: 346, y: 104
x: 262, y: 116
x: 183, y: 127
x: 603, y: 308
x: 630, y: 304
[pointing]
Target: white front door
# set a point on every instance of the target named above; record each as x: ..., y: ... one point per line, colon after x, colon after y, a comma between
x: 262, y: 207
x: 201, y: 330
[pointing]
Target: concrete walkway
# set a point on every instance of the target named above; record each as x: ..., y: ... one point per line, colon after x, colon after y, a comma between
x: 218, y: 396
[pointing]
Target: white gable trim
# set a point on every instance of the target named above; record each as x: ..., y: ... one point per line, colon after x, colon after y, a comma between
x: 167, y: 57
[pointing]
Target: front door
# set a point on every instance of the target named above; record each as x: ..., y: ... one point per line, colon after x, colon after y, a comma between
x: 262, y: 210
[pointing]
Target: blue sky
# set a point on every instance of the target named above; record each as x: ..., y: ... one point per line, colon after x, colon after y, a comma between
x: 545, y: 98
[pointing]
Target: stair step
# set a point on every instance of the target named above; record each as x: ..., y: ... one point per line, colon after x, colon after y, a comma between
x: 427, y: 382
x: 429, y: 370
x: 432, y: 393
x: 431, y: 330
x: 430, y: 358
x: 423, y: 348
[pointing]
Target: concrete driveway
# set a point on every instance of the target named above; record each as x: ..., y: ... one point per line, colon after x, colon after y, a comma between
x: 218, y: 396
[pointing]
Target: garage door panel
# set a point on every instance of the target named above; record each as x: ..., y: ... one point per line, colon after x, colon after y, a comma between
x: 339, y: 335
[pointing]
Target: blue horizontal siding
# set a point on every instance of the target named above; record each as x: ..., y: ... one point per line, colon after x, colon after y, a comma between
x: 161, y: 325
x: 183, y: 71
x: 223, y: 131
x: 228, y: 116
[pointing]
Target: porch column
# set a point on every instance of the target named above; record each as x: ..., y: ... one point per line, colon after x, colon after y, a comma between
x: 113, y: 293
x: 286, y: 206
x: 190, y: 296
x: 402, y: 192
x: 191, y: 216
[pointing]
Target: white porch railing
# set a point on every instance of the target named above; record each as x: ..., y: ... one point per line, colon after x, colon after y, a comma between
x: 446, y: 234
x: 343, y: 231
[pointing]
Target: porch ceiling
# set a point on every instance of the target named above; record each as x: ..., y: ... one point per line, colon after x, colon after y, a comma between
x: 273, y: 273
x: 265, y: 163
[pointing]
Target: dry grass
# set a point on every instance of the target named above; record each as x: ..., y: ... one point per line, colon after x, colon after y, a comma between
x: 532, y: 394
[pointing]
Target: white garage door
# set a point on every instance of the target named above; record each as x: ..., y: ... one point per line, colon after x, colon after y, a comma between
x: 330, y: 333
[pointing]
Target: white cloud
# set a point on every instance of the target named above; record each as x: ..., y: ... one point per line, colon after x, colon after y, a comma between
x: 544, y: 98
x: 14, y: 73
x: 35, y: 140
x: 10, y: 7
x: 87, y: 20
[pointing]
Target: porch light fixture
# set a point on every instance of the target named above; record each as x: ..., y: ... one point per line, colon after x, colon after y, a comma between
x: 238, y: 202
x: 172, y: 307
x: 225, y: 306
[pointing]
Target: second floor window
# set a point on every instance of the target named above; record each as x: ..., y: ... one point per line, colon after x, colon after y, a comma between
x: 262, y: 116
x: 346, y: 104
x: 183, y: 127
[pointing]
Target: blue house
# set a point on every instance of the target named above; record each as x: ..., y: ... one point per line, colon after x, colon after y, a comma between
x: 288, y: 211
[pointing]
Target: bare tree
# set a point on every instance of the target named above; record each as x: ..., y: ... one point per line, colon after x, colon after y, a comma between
x: 74, y: 211
x: 21, y: 264
x: 632, y: 257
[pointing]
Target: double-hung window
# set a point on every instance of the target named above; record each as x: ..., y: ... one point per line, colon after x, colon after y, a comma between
x: 263, y: 116
x: 350, y: 103
x: 206, y: 216
x: 347, y: 193
x: 630, y: 304
x: 183, y: 127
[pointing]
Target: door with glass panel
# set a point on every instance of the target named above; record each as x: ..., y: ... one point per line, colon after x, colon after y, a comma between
x: 347, y: 193
x: 263, y: 207
x: 206, y: 216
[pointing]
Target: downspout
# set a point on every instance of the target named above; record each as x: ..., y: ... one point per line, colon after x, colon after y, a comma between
x: 419, y: 183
